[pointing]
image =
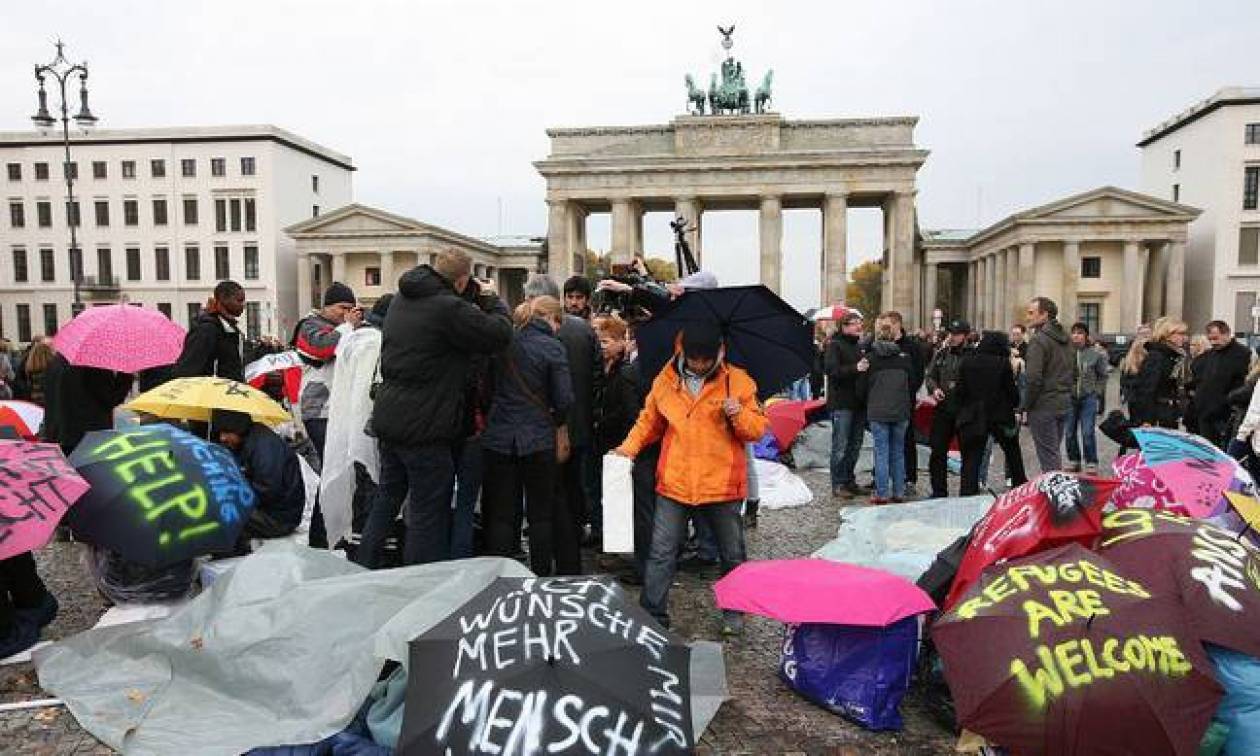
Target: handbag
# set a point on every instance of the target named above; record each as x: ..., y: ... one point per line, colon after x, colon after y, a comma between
x: 564, y: 449
x: 1116, y: 427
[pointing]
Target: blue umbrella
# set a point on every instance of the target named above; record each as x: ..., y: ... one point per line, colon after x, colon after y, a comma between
x: 159, y: 494
x: 764, y: 335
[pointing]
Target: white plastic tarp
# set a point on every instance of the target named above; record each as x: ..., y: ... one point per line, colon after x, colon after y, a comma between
x: 902, y: 538
x: 779, y: 487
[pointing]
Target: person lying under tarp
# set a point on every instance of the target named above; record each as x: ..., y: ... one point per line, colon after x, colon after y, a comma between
x: 271, y: 467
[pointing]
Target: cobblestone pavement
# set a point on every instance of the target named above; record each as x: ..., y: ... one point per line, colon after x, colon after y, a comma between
x: 762, y: 717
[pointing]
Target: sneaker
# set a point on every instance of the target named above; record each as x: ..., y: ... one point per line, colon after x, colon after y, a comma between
x: 879, y: 500
x: 857, y: 490
x: 841, y: 492
x: 1091, y: 469
x: 732, y: 624
x: 897, y: 500
x: 1072, y: 467
x: 41, y: 615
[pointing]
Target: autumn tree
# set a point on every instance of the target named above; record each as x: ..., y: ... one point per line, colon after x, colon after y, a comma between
x: 866, y: 288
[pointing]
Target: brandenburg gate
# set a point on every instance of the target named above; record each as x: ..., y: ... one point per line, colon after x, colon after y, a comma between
x: 733, y: 159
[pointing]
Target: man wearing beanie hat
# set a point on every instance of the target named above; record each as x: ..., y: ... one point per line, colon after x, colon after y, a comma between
x: 315, y: 338
x: 272, y: 469
x: 703, y: 411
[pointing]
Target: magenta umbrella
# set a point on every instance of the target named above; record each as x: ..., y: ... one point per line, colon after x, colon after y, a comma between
x: 121, y: 337
x: 800, y: 591
x: 37, y: 485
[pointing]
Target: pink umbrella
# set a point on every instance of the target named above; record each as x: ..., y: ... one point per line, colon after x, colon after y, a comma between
x: 1196, y: 472
x: 122, y: 337
x: 818, y: 590
x: 1141, y: 488
x: 37, y: 485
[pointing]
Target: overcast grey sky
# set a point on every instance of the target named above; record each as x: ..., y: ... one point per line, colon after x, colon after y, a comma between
x: 443, y: 105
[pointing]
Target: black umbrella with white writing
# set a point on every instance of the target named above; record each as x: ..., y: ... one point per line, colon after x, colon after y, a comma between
x: 548, y: 665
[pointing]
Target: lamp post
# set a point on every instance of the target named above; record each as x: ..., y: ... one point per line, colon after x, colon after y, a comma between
x: 61, y: 70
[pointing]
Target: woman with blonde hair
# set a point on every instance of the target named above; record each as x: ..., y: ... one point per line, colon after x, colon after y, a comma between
x: 1158, y: 392
x: 525, y: 442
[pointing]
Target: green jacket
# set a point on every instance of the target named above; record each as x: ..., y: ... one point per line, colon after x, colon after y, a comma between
x: 1091, y: 372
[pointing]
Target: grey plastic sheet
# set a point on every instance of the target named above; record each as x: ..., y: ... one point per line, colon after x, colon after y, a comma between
x: 283, y: 649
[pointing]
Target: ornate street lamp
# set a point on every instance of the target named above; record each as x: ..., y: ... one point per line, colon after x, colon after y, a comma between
x: 61, y: 70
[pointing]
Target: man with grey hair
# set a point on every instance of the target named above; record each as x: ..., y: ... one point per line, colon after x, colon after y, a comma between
x: 439, y: 323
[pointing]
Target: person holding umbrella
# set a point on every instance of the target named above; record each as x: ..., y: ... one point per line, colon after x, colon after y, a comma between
x: 704, y: 410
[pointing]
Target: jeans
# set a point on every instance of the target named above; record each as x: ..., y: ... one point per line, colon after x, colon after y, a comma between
x: 425, y: 477
x: 847, y: 429
x: 467, y: 490
x: 890, y: 461
x: 644, y: 477
x: 1046, y: 428
x: 554, y: 534
x: 317, y: 431
x: 1082, y: 418
x: 944, y: 429
x: 669, y: 530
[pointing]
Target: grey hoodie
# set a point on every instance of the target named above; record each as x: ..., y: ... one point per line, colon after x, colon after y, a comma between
x: 1049, y: 370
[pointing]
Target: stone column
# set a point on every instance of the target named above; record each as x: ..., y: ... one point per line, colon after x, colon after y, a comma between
x: 835, y: 211
x: 575, y: 232
x: 901, y: 256
x: 305, y: 284
x: 1000, y: 300
x: 1013, y: 288
x: 1156, y: 271
x: 991, y: 282
x: 1027, y: 278
x: 982, y: 292
x: 339, y: 267
x: 688, y: 208
x: 1071, y: 281
x: 1131, y: 303
x: 623, y: 222
x: 771, y: 227
x: 636, y: 227
x: 1175, y: 280
x: 559, y: 261
x: 973, y: 274
x: 929, y: 292
x: 388, y: 282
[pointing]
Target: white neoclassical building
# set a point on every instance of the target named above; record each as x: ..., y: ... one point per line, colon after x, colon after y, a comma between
x: 163, y: 215
x: 368, y: 249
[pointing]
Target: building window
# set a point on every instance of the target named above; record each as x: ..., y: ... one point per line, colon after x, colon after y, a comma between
x: 218, y: 167
x: 1176, y: 162
x: 47, y: 265
x: 129, y: 169
x: 1176, y: 192
x: 253, y: 320
x: 1252, y: 133
x: 371, y: 276
x: 73, y: 216
x: 314, y: 211
x: 192, y: 263
x: 131, y: 212
x: 70, y: 170
x: 19, y: 265
x: 194, y: 310
x: 17, y: 215
x: 1091, y: 267
x: 15, y: 171
x: 190, y: 211
x: 24, y: 322
x: 100, y: 169
x: 1251, y: 186
x: 1249, y: 245
x: 41, y: 171
x: 159, y: 211
x: 102, y: 212
x: 247, y: 166
x: 235, y: 206
x: 1090, y: 313
x: 43, y: 213
x: 157, y: 168
x: 251, y: 262
x: 251, y: 218
x: 104, y: 266
x: 222, y: 265
x: 133, y: 264
x: 50, y: 319
x: 220, y: 215
x: 165, y: 309
x: 162, y: 263
x: 315, y: 184
x: 188, y: 167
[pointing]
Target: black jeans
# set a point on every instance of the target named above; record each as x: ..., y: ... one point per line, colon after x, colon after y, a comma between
x: 554, y: 547
x: 572, y: 487
x: 317, y: 431
x: 973, y: 456
x: 643, y: 477
x: 944, y: 428
x: 20, y: 587
x: 425, y: 477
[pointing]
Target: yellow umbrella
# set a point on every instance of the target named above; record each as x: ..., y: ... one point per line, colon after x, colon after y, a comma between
x: 196, y: 398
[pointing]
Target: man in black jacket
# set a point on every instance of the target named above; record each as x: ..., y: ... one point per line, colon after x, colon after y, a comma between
x: 848, y: 421
x: 942, y: 380
x: 431, y: 336
x: 213, y: 345
x: 1217, y: 372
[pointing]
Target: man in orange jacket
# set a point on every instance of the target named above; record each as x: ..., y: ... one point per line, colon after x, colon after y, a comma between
x: 703, y: 411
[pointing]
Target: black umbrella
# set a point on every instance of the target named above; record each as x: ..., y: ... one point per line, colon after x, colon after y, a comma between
x: 763, y: 334
x: 548, y: 665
